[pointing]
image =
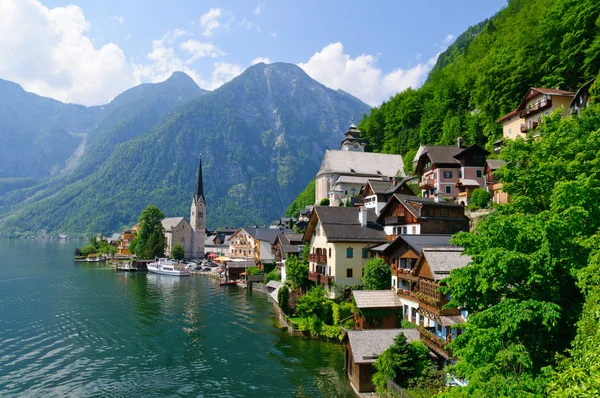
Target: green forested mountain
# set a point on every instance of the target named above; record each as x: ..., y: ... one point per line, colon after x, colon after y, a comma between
x: 261, y: 136
x: 486, y: 72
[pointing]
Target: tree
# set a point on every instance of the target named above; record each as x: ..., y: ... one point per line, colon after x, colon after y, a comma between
x: 377, y: 275
x: 324, y: 202
x: 400, y: 363
x: 178, y: 252
x: 479, y: 199
x: 315, y: 304
x: 87, y: 250
x: 296, y: 272
x: 283, y: 296
x: 150, y: 242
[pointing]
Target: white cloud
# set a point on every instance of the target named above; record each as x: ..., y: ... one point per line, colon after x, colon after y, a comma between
x: 118, y: 18
x: 249, y: 25
x: 448, y: 39
x: 272, y: 35
x: 360, y: 76
x: 199, y: 49
x: 222, y: 73
x: 211, y: 21
x: 259, y: 9
x: 47, y: 52
x: 419, y: 55
x: 258, y: 60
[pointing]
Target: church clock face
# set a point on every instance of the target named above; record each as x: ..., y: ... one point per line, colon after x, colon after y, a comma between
x: 355, y: 146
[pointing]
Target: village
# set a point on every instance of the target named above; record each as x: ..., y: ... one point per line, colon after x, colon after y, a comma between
x: 367, y: 209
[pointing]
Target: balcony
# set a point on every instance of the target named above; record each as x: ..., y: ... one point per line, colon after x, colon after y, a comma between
x: 435, y: 306
x: 525, y: 128
x: 427, y: 183
x: 320, y: 278
x: 435, y: 343
x: 317, y: 258
x: 405, y: 273
x: 405, y: 293
x: 394, y: 220
x: 535, y: 107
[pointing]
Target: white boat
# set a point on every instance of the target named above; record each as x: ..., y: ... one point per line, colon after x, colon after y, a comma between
x: 164, y: 266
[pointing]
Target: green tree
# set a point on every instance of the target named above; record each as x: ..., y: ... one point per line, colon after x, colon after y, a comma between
x: 324, y: 202
x: 296, y: 272
x: 400, y: 363
x: 283, y: 297
x: 177, y: 252
x: 305, y: 198
x: 315, y: 304
x: 89, y: 249
x: 479, y: 199
x: 150, y: 242
x: 377, y: 275
x: 253, y: 271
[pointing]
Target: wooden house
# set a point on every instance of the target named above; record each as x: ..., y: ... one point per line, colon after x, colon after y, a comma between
x: 376, y: 309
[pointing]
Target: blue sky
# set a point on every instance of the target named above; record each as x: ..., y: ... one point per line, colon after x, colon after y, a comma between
x: 87, y: 51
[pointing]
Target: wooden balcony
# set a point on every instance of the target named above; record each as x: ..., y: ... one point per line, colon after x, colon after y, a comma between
x: 535, y: 107
x: 525, y: 128
x: 406, y: 294
x: 317, y: 258
x: 435, y: 343
x: 435, y: 307
x: 405, y: 273
x: 427, y: 183
x: 394, y: 220
x: 320, y: 278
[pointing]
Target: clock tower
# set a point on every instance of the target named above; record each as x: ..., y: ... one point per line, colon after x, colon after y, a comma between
x: 198, y: 216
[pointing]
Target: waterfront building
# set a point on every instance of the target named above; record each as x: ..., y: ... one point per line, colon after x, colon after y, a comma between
x: 242, y: 243
x: 363, y: 347
x: 217, y: 243
x: 288, y: 244
x: 378, y: 192
x: 178, y: 231
x: 376, y: 309
x: 340, y: 239
x: 345, y: 172
x: 264, y: 246
x: 124, y: 242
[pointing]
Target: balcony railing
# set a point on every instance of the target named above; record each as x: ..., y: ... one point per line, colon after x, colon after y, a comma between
x: 394, y: 220
x: 525, y: 128
x: 536, y: 107
x: 317, y: 258
x: 427, y: 183
x: 436, y: 306
x: 436, y: 343
x: 405, y: 293
x: 320, y: 278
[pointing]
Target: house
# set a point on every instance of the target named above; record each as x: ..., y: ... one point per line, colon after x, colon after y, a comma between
x: 242, y: 243
x: 442, y: 166
x: 582, y: 97
x: 283, y: 222
x: 235, y: 268
x: 217, y: 243
x: 536, y: 103
x: 493, y: 186
x: 363, y: 347
x: 264, y: 249
x: 345, y: 172
x: 304, y: 214
x: 340, y: 239
x: 465, y: 187
x: 435, y: 264
x: 376, y: 309
x: 126, y: 238
x: 414, y: 215
x: 286, y: 245
x: 378, y: 192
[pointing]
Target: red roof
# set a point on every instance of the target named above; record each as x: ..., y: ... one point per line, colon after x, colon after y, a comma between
x: 512, y: 113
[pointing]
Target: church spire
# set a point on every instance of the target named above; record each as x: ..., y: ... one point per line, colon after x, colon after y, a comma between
x: 199, y: 192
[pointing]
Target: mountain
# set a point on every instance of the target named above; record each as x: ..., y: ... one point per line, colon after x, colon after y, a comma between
x: 261, y: 136
x: 486, y: 72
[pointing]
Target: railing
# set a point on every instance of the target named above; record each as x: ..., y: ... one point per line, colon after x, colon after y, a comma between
x: 404, y: 271
x: 436, y: 306
x: 427, y: 183
x: 320, y: 278
x: 394, y: 220
x: 434, y: 342
x: 465, y: 194
x: 536, y: 107
x: 525, y: 128
x: 405, y: 293
x: 317, y: 258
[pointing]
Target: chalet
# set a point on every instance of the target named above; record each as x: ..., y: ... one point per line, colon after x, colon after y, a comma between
x: 441, y: 167
x: 344, y: 173
x: 363, y: 347
x: 435, y: 264
x: 538, y: 102
x: 126, y: 238
x: 493, y: 186
x: 242, y: 243
x: 340, y: 239
x: 413, y: 215
x: 286, y: 245
x: 582, y: 97
x: 217, y: 243
x: 376, y: 309
x: 264, y: 249
x: 378, y: 192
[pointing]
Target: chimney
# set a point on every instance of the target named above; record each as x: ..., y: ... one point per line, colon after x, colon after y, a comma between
x: 459, y: 139
x: 362, y: 216
x: 439, y: 198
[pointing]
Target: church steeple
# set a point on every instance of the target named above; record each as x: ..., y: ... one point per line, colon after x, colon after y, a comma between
x: 353, y: 141
x: 199, y: 192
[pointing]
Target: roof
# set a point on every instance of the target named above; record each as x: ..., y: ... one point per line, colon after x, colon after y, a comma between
x: 380, y: 248
x: 416, y: 242
x: 449, y: 320
x: 467, y: 182
x: 367, y: 345
x: 361, y: 164
x: 240, y: 264
x: 380, y: 187
x: 495, y: 164
x: 509, y: 114
x: 442, y: 154
x: 341, y: 224
x: 552, y: 91
x: 346, y: 179
x: 443, y: 259
x: 376, y: 299
x: 394, y: 187
x: 291, y: 239
x: 274, y: 284
x: 269, y: 234
x: 406, y: 201
x: 169, y: 223
x: 581, y: 90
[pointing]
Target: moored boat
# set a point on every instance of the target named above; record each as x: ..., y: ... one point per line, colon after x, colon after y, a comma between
x: 164, y: 266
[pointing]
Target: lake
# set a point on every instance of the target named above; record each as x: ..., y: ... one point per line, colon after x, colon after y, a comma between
x: 74, y: 329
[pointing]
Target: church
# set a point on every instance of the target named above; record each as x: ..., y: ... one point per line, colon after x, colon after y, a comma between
x: 189, y: 235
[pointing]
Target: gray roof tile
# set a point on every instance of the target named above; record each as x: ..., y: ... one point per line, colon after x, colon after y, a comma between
x: 376, y: 299
x: 367, y: 345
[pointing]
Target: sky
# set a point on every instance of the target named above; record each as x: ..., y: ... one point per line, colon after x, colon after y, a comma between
x: 89, y: 51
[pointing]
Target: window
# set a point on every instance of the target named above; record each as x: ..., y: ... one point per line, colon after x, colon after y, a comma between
x: 349, y: 252
x: 414, y: 230
x: 349, y: 273
x: 439, y: 328
x: 448, y: 189
x: 447, y: 174
x: 406, y: 310
x: 459, y: 173
x: 365, y: 254
x: 510, y: 131
x: 478, y: 173
x: 435, y: 176
x: 330, y: 252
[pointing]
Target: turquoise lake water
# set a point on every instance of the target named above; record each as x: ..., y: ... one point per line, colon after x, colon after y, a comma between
x: 73, y: 329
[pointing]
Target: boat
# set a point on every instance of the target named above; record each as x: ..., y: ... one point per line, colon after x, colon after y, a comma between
x: 230, y: 283
x: 94, y: 259
x: 164, y: 266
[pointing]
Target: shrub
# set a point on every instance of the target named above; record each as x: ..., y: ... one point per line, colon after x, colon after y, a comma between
x: 283, y: 296
x: 87, y: 250
x: 479, y: 199
x: 253, y: 271
x: 324, y: 202
x: 178, y: 252
x: 274, y: 275
x: 341, y: 312
x: 377, y: 275
x: 315, y: 303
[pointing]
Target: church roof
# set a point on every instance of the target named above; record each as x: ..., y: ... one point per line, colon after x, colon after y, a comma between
x: 170, y: 222
x: 199, y: 191
x: 361, y: 164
